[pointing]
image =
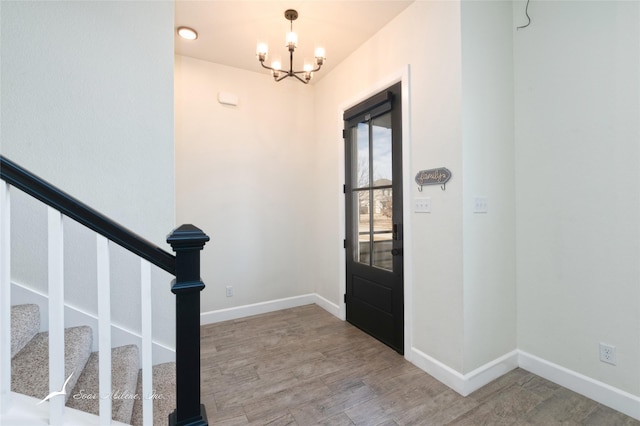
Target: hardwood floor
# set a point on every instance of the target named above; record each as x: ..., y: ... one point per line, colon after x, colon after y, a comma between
x: 303, y: 366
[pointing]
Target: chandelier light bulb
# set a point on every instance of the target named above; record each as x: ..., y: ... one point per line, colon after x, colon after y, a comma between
x: 307, y: 72
x: 292, y: 40
x: 320, y: 56
x: 276, y: 65
x: 262, y: 49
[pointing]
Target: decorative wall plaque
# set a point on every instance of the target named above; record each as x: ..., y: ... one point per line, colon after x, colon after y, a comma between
x: 439, y: 176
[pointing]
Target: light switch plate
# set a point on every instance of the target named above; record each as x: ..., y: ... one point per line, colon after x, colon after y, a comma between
x: 480, y: 205
x: 422, y: 205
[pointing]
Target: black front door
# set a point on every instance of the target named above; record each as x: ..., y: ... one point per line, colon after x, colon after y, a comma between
x: 373, y: 191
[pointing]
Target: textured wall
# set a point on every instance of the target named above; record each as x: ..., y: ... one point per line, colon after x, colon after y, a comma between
x: 87, y: 103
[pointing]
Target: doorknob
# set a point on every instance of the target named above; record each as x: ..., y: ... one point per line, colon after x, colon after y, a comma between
x: 396, y: 252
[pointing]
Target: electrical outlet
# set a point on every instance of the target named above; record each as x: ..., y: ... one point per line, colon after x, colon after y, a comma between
x: 608, y: 353
x: 229, y: 291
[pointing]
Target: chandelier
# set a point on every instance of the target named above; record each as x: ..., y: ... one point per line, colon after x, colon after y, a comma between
x: 292, y: 42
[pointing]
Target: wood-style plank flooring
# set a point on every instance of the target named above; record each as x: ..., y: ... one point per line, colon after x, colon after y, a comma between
x: 303, y: 366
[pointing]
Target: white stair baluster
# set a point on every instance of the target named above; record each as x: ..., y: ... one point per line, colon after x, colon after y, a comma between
x: 147, y: 349
x: 5, y: 298
x: 104, y: 329
x: 57, y: 372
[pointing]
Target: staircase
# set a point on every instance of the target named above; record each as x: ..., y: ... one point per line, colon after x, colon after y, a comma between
x: 30, y: 371
x: 30, y: 360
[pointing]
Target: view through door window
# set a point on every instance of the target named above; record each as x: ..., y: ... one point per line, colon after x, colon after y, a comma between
x: 374, y: 182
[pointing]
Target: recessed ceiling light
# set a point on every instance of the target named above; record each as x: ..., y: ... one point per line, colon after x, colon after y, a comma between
x: 187, y: 33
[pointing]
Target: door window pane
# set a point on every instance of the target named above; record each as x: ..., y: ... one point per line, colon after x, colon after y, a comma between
x: 382, y: 210
x: 382, y: 228
x: 381, y: 150
x: 382, y: 257
x: 361, y: 155
x: 363, y: 226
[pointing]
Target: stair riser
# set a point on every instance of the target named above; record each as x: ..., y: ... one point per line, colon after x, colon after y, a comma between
x: 74, y: 317
x: 30, y: 372
x: 30, y: 367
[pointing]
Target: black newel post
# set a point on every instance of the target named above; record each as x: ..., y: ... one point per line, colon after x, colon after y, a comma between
x: 187, y: 241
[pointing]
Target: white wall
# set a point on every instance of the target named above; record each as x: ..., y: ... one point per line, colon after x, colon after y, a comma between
x: 87, y: 104
x: 461, y: 101
x: 488, y: 171
x: 245, y: 176
x: 427, y: 36
x: 577, y: 98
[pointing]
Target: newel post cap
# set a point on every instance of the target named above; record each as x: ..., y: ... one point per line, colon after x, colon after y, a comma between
x: 187, y: 237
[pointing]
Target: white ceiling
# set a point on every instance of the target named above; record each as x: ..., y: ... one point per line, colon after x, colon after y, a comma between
x: 229, y: 30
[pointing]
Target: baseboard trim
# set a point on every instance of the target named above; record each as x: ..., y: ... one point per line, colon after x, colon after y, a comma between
x: 227, y: 314
x: 487, y: 373
x: 603, y: 393
x: 464, y: 384
x: 328, y: 306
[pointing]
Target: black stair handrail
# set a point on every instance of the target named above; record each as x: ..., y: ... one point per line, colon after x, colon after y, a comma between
x: 52, y: 196
x: 187, y: 241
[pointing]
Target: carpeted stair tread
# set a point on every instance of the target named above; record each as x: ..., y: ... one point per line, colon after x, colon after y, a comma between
x: 30, y: 367
x: 25, y: 324
x: 124, y: 376
x: 164, y: 398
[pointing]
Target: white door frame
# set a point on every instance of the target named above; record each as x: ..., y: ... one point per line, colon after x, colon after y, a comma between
x: 401, y: 75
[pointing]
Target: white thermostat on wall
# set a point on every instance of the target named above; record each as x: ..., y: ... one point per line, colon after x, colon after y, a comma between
x: 228, y: 98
